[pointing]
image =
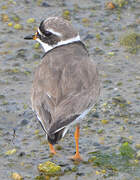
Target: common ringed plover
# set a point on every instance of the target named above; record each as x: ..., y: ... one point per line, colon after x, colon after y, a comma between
x: 66, y: 83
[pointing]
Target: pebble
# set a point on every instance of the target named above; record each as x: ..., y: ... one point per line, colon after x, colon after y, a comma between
x: 137, y: 146
x: 24, y: 122
x: 138, y: 155
x: 11, y: 152
x: 104, y: 121
x: 49, y: 168
x: 21, y: 154
x: 96, y: 144
x: 96, y: 115
x: 10, y: 24
x: 18, y: 26
x: 45, y: 4
x: 5, y: 17
x: 124, y: 139
x: 30, y: 20
x: 110, y: 5
x: 16, y: 176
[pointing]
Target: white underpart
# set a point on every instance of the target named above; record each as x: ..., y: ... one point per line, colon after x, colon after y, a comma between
x: 76, y: 121
x: 48, y: 48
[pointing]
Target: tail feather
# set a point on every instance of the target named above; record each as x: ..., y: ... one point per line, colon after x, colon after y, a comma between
x: 54, y: 138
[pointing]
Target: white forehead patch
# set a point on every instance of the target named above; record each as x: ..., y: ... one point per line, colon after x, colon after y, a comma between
x: 54, y: 32
x: 50, y: 30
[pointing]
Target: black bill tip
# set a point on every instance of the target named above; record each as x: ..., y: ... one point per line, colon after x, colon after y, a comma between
x: 29, y: 37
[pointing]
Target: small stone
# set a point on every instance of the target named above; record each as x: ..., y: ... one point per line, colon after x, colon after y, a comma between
x: 96, y: 115
x: 80, y: 174
x: 85, y: 20
x: 21, y: 53
x: 18, y: 26
x: 100, y: 131
x: 45, y: 4
x: 98, y: 36
x: 16, y: 176
x: 97, y: 173
x: 137, y: 146
x: 11, y: 152
x: 138, y: 155
x: 2, y: 96
x: 125, y: 139
x: 103, y: 171
x: 58, y: 147
x: 10, y: 24
x: 105, y: 121
x: 93, y: 158
x: 101, y: 139
x: 96, y: 144
x: 25, y: 106
x: 136, y: 161
x: 120, y: 3
x: 119, y: 84
x: 21, y: 154
x: 4, y: 7
x: 5, y: 18
x: 49, y: 168
x: 110, y: 5
x: 37, y: 45
x: 39, y: 2
x: 30, y: 20
x: 98, y: 51
x: 24, y: 122
x: 16, y: 18
x: 66, y: 14
x: 111, y: 53
x: 37, y: 132
x: 12, y: 2
x: 130, y: 138
x: 88, y: 36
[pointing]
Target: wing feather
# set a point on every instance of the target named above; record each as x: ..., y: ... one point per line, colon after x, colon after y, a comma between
x: 65, y: 85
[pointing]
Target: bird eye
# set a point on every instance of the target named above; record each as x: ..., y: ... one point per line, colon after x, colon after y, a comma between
x: 47, y: 33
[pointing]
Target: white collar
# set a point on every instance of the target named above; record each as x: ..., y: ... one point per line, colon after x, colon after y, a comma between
x: 68, y: 41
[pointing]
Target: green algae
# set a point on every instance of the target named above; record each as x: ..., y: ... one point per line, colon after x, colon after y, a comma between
x: 120, y: 3
x: 127, y: 151
x: 131, y: 41
x: 40, y: 178
x: 49, y: 168
x: 115, y: 161
x: 66, y: 15
x: 138, y: 155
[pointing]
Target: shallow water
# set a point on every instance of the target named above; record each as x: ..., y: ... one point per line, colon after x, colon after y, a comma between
x: 101, y: 30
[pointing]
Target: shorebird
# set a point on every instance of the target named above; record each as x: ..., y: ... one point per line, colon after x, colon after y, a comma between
x: 66, y: 83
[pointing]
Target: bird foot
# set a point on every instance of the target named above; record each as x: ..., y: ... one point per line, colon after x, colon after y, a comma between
x: 76, y: 157
x: 53, y: 152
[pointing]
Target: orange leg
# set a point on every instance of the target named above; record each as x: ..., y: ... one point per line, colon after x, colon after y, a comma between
x: 77, y: 155
x: 52, y: 150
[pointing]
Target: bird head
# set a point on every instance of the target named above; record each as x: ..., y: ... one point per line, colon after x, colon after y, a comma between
x: 53, y: 32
